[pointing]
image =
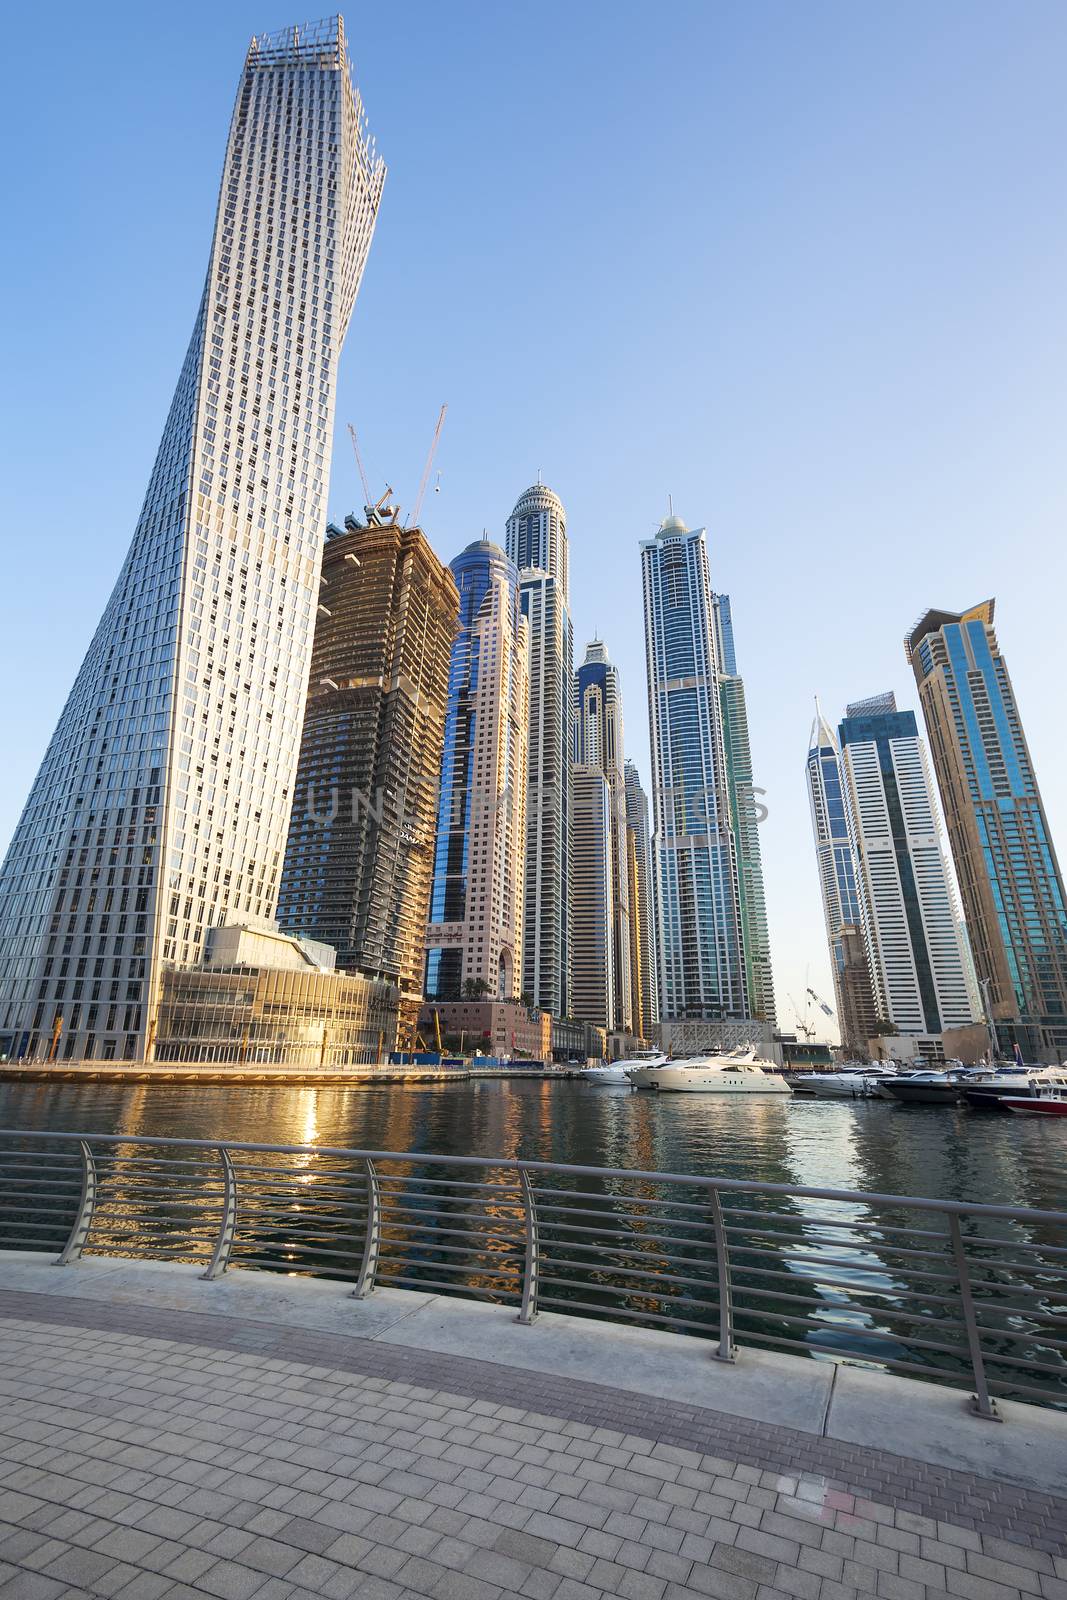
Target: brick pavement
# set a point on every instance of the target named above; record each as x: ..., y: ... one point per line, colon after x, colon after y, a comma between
x: 150, y: 1454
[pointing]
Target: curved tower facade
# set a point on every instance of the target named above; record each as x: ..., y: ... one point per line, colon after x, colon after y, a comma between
x: 475, y: 930
x: 162, y: 804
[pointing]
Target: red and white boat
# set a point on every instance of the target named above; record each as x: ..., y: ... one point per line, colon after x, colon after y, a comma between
x: 1045, y: 1103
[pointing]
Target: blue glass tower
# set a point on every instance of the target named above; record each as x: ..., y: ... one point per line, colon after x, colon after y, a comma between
x: 474, y: 938
x: 703, y: 971
x: 1009, y: 877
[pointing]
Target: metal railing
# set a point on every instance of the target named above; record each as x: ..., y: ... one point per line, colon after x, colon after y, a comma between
x: 954, y: 1292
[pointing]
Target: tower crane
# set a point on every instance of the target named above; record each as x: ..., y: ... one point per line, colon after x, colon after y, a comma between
x: 359, y: 464
x: 413, y: 520
x: 802, y: 1027
x: 821, y: 1003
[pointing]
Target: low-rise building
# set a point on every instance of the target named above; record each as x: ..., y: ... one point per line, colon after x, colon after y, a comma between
x: 261, y: 997
x: 493, y: 1027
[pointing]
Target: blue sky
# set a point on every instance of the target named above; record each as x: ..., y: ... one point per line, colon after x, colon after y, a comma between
x: 801, y: 265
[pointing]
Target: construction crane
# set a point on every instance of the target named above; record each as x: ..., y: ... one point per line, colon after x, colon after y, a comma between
x: 359, y: 464
x: 414, y: 518
x: 802, y: 1027
x: 821, y: 1003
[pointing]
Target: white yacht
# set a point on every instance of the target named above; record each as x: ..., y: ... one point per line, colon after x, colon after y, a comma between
x: 612, y: 1072
x: 741, y: 1072
x: 850, y: 1083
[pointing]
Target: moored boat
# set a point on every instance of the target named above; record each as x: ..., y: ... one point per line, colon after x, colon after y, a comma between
x: 618, y: 1072
x: 850, y: 1083
x: 741, y: 1072
x: 1045, y: 1103
x: 988, y: 1090
x: 925, y: 1088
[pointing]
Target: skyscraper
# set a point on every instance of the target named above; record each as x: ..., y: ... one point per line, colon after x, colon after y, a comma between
x: 475, y: 929
x: 537, y: 536
x: 744, y: 815
x: 908, y: 907
x: 595, y: 867
x: 162, y: 803
x: 644, y: 987
x: 536, y: 540
x: 1009, y: 876
x: 598, y: 743
x: 856, y: 1010
x: 703, y: 967
x: 359, y: 859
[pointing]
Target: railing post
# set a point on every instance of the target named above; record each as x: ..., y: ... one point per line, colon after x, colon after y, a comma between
x: 980, y: 1400
x: 727, y: 1350
x: 368, y: 1267
x: 86, y: 1206
x: 532, y: 1263
x: 228, y: 1230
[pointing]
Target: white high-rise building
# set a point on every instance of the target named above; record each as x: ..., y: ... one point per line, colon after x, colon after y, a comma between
x: 910, y: 918
x: 162, y: 804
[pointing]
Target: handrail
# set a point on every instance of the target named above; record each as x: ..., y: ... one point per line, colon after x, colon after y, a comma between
x: 520, y: 1164
x: 679, y: 1251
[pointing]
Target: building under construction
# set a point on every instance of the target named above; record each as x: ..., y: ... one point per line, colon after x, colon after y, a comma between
x: 359, y: 859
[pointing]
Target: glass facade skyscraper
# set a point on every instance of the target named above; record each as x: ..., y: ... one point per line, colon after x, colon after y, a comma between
x: 536, y: 541
x: 595, y: 869
x: 1009, y: 876
x: 702, y: 958
x: 856, y: 1011
x: 598, y: 743
x: 644, y: 984
x: 475, y: 930
x: 162, y: 804
x: 907, y: 904
x: 744, y: 814
x: 536, y: 536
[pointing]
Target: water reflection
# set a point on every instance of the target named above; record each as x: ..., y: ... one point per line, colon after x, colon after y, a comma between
x: 827, y: 1276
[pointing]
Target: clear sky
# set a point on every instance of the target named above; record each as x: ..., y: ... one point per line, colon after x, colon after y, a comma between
x: 801, y: 265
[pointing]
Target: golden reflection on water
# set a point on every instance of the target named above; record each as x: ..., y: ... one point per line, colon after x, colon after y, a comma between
x: 311, y: 1206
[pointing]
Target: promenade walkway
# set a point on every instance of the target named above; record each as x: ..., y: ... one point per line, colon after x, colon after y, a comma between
x: 259, y: 1436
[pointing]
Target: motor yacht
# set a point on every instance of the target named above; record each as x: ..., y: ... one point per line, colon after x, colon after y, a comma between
x: 1045, y: 1102
x: 926, y: 1088
x: 618, y: 1072
x: 741, y: 1072
x: 850, y: 1083
x: 987, y: 1090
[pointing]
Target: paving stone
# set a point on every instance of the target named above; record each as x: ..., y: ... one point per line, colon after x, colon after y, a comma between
x: 334, y: 1466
